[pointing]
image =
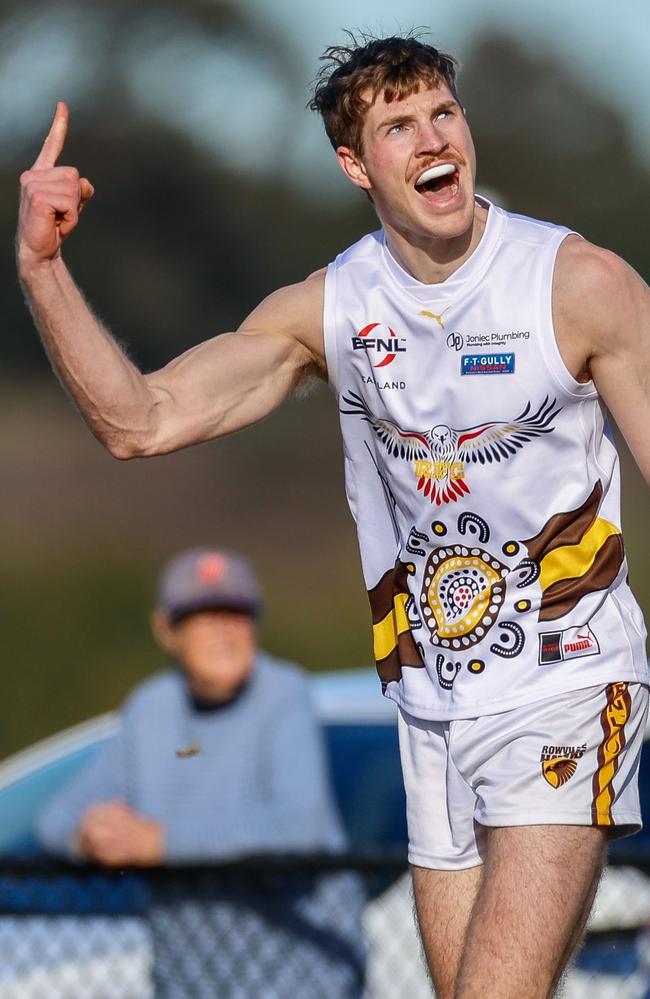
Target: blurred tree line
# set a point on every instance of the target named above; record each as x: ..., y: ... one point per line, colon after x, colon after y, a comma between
x: 179, y: 244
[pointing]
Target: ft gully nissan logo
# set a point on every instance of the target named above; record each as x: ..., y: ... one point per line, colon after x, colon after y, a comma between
x: 385, y: 344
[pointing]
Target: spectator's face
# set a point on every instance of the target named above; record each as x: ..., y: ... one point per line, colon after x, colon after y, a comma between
x: 215, y: 648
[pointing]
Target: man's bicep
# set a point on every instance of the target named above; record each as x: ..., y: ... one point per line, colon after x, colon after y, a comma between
x: 296, y: 312
x: 235, y: 379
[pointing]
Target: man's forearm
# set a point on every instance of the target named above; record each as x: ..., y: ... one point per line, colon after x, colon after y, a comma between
x: 216, y: 388
x: 110, y: 392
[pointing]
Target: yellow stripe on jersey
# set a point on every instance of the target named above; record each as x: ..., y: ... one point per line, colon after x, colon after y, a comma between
x: 573, y: 561
x: 387, y: 631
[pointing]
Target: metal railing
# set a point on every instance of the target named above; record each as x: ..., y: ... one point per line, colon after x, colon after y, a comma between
x: 267, y: 928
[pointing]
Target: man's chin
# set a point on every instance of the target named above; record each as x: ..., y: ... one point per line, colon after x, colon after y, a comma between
x: 209, y: 697
x: 450, y: 222
x: 208, y: 694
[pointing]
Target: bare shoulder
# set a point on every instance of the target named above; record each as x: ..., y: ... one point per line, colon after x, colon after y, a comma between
x: 596, y: 295
x: 602, y: 305
x: 294, y: 312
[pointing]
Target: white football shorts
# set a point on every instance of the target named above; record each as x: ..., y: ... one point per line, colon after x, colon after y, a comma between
x: 572, y: 759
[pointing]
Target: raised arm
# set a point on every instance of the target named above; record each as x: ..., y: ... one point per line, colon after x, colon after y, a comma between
x: 221, y: 385
x: 602, y: 316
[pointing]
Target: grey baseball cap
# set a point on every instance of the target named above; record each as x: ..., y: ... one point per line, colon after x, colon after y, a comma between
x: 205, y: 578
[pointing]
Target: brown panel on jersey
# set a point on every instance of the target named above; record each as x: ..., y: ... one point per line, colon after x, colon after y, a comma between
x: 393, y: 584
x: 562, y: 596
x: 381, y: 596
x: 565, y: 528
x: 390, y: 668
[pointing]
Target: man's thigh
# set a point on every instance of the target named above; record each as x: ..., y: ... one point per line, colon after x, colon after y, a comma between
x: 535, y: 895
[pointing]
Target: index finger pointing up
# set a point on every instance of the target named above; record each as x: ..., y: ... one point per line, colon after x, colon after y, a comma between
x: 54, y: 140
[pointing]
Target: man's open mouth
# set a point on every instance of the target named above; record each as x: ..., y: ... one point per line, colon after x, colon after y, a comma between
x: 441, y: 180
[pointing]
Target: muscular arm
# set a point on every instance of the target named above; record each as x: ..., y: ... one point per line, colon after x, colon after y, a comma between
x: 219, y: 386
x: 602, y: 318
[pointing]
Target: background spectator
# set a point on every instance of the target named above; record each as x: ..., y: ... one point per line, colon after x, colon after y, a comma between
x: 219, y: 757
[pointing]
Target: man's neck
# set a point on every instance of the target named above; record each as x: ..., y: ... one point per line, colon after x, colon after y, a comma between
x: 433, y: 260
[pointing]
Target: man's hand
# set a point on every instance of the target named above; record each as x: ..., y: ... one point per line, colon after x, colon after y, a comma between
x: 51, y: 199
x: 114, y: 834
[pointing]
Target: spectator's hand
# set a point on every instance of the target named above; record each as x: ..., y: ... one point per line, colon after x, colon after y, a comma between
x: 114, y: 834
x: 51, y: 198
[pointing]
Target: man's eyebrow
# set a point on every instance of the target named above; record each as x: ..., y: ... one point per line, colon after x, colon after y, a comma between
x: 395, y: 119
x: 398, y: 119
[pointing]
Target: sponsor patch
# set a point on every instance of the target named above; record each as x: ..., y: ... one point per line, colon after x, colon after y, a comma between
x: 382, y: 347
x: 491, y: 341
x: 487, y: 364
x: 557, y: 646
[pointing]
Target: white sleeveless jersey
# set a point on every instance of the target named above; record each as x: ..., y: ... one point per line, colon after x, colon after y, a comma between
x: 485, y: 492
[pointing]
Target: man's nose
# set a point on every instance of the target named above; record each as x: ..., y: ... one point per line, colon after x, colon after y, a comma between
x: 430, y: 139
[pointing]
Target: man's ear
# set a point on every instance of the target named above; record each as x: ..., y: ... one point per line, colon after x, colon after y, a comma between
x: 353, y: 167
x: 163, y: 630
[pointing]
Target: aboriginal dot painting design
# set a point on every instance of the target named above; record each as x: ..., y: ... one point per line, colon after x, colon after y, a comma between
x: 467, y: 593
x: 462, y: 593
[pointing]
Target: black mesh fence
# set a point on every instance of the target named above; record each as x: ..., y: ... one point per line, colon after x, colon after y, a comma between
x: 317, y: 928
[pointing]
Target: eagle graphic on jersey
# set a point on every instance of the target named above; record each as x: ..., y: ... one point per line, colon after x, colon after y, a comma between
x: 440, y: 453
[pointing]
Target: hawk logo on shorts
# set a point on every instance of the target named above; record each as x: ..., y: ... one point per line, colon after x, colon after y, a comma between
x: 558, y: 772
x: 559, y: 763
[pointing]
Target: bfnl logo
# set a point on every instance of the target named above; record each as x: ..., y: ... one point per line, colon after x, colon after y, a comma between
x: 388, y: 346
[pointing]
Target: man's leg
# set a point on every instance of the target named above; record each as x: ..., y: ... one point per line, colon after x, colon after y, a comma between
x: 444, y: 901
x: 535, y: 895
x: 538, y: 882
x: 444, y: 852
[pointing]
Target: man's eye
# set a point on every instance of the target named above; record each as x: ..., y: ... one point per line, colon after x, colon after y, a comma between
x: 443, y: 114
